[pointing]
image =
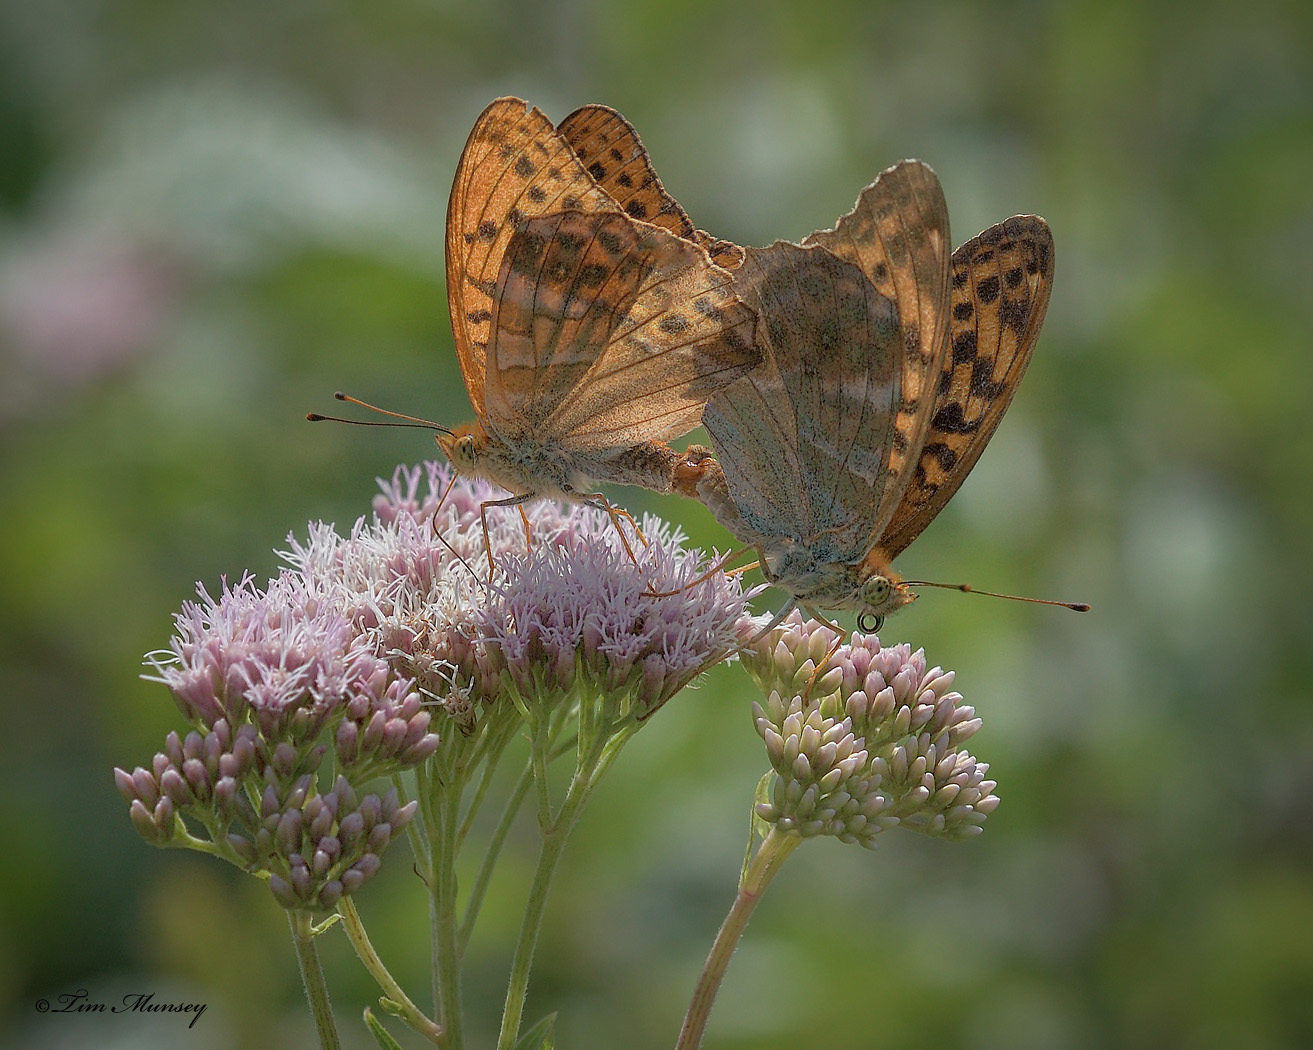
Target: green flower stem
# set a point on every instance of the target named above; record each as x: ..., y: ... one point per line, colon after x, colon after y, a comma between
x: 312, y: 977
x: 554, y: 840
x: 444, y: 926
x: 481, y: 880
x: 509, y: 813
x: 594, y: 757
x: 774, y: 850
x: 409, y: 1012
x: 487, y: 754
x: 416, y: 830
x: 492, y: 753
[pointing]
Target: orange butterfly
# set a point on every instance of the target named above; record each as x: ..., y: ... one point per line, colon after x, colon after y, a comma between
x: 883, y: 380
x: 587, y: 338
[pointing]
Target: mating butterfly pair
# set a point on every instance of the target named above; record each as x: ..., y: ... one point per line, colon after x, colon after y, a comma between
x: 849, y: 383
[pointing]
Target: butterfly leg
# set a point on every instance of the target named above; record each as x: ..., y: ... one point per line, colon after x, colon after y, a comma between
x: 717, y: 567
x: 630, y: 518
x: 778, y: 619
x: 599, y: 500
x: 528, y: 531
x: 840, y: 636
x: 787, y: 608
x: 437, y: 532
x: 510, y: 501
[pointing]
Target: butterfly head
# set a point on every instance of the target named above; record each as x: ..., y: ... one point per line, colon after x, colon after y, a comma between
x: 463, y: 447
x: 877, y: 595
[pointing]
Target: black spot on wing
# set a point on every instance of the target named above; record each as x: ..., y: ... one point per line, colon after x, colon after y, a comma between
x: 982, y: 379
x: 944, y: 455
x: 950, y: 419
x: 1014, y: 313
x: 611, y: 244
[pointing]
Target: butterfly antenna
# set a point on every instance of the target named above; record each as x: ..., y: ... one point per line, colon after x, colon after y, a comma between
x: 412, y: 421
x: 966, y: 588
x: 456, y: 554
x: 442, y: 500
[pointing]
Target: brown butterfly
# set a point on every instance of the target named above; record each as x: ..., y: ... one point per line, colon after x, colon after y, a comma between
x: 883, y: 380
x: 587, y: 338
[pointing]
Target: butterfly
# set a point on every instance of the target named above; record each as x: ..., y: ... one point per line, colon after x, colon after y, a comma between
x: 587, y: 338
x: 888, y: 366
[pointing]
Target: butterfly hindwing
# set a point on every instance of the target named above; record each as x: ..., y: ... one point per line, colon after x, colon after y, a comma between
x: 804, y: 440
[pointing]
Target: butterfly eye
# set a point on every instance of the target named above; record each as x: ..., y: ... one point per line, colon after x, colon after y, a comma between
x: 464, y: 455
x: 869, y: 624
x: 876, y: 590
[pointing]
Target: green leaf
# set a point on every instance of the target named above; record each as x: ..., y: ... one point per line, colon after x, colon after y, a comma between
x: 541, y: 1036
x: 381, y: 1035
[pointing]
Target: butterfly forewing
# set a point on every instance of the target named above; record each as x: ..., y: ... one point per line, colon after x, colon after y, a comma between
x: 609, y: 147
x: 805, y: 440
x: 1001, y: 282
x: 514, y: 166
x: 608, y: 333
x: 898, y: 234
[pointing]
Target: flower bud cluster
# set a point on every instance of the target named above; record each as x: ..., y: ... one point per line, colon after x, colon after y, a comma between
x: 384, y: 731
x: 873, y: 741
x: 201, y: 774
x: 318, y: 848
x: 278, y: 681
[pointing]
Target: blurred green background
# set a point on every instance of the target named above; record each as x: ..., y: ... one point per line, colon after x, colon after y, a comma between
x: 213, y: 215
